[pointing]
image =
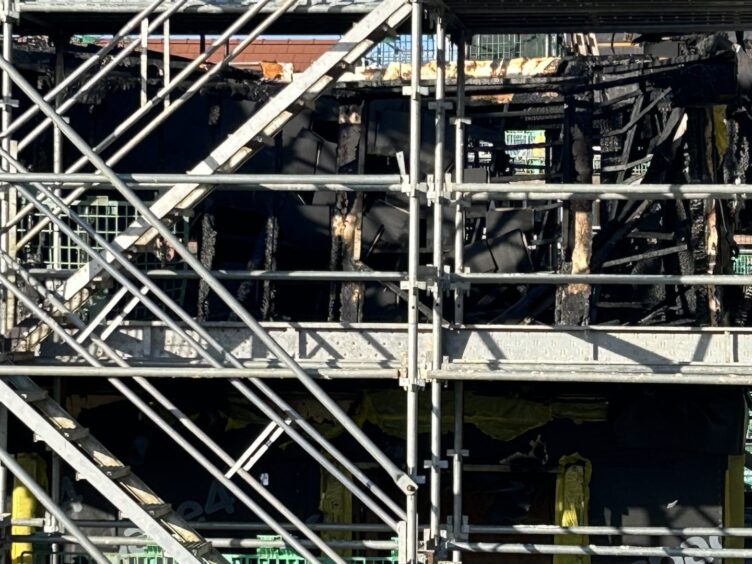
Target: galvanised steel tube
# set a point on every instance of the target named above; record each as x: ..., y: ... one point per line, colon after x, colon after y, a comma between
x: 94, y: 59
x: 459, y: 179
x: 457, y: 460
x: 545, y: 530
x: 647, y: 377
x: 410, y: 542
x: 605, y: 192
x: 280, y: 275
x: 438, y: 290
x: 233, y: 187
x: 471, y: 278
x: 459, y: 293
x: 6, y: 316
x: 615, y: 279
x: 403, y: 480
x: 38, y: 492
x: 40, y: 314
x: 732, y: 376
x: 216, y: 542
x: 193, y: 372
x: 593, y: 550
x: 204, y: 354
x: 610, y: 531
x: 219, y: 526
x: 316, y: 181
x: 178, y: 414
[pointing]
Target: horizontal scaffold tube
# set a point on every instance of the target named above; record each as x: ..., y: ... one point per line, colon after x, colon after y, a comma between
x: 610, y: 531
x: 189, y: 372
x: 469, y: 278
x: 533, y: 191
x: 614, y: 279
x: 216, y: 542
x: 324, y: 275
x: 593, y: 550
x: 168, y: 179
x: 733, y: 376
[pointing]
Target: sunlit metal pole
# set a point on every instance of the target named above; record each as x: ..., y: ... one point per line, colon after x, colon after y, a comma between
x: 411, y: 542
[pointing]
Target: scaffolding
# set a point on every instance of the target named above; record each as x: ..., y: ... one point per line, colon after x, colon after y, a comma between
x: 419, y: 359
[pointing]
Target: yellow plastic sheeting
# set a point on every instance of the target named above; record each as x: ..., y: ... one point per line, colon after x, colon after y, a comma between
x: 500, y: 417
x: 572, y: 501
x: 24, y: 505
x: 733, y: 507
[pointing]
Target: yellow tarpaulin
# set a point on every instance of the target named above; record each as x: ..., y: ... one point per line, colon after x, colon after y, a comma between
x: 572, y: 501
x: 500, y: 417
x: 24, y: 505
x: 335, y: 504
x: 733, y: 507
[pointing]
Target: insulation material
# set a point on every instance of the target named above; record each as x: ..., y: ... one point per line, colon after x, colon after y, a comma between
x: 24, y: 505
x: 572, y: 501
x: 506, y: 68
x: 733, y: 507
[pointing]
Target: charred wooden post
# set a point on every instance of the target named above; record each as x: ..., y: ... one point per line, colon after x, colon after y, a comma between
x: 206, y: 256
x: 347, y: 216
x: 701, y: 147
x: 573, y: 300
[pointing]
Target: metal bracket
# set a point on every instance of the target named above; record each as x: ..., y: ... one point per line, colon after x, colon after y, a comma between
x: 402, y: 546
x: 408, y: 91
x: 433, y: 194
x: 7, y: 102
x: 407, y: 383
x: 444, y: 104
x: 462, y: 453
x: 460, y: 121
x: 459, y: 285
x: 436, y: 278
x: 419, y: 284
x: 11, y: 16
x: 443, y: 464
x: 264, y: 139
x: 404, y: 176
x: 304, y: 104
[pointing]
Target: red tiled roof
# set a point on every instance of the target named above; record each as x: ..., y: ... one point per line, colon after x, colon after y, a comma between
x: 300, y: 52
